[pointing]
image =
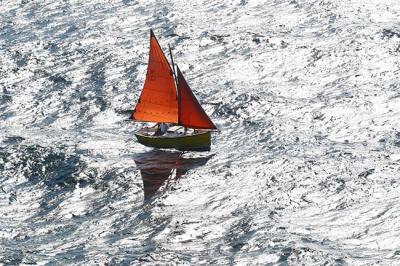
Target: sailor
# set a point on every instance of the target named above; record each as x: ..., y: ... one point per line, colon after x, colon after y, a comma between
x: 162, y: 128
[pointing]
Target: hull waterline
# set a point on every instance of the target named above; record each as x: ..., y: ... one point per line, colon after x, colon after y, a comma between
x: 196, y: 142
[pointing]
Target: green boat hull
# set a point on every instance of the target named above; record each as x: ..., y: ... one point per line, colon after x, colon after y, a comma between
x: 195, y: 142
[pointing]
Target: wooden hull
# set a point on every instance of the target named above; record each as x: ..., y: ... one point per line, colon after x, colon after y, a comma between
x: 195, y: 142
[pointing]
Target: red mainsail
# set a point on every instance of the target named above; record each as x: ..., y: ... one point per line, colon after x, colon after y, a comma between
x: 158, y: 100
x: 191, y: 114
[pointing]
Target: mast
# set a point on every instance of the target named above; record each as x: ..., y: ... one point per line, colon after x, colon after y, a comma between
x: 176, y: 82
x: 173, y: 66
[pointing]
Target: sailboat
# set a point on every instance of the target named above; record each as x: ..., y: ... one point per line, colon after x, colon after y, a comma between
x: 167, y: 98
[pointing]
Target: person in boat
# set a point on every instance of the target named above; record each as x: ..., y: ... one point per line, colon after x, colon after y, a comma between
x: 162, y: 128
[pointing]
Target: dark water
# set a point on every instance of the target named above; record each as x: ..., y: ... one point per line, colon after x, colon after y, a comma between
x: 305, y: 170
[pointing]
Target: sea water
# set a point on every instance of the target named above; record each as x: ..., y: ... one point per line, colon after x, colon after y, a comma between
x: 304, y: 170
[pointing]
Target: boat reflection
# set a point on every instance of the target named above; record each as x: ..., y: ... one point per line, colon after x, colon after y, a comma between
x: 159, y: 168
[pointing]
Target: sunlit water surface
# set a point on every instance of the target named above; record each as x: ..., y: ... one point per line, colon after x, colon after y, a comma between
x: 305, y: 170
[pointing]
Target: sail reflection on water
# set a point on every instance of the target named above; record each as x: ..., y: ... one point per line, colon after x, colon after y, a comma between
x: 160, y: 168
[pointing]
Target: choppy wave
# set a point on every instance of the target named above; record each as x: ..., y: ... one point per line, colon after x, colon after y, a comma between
x: 304, y: 170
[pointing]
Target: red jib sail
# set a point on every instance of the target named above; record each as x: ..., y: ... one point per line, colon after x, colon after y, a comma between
x: 191, y: 114
x: 158, y: 100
